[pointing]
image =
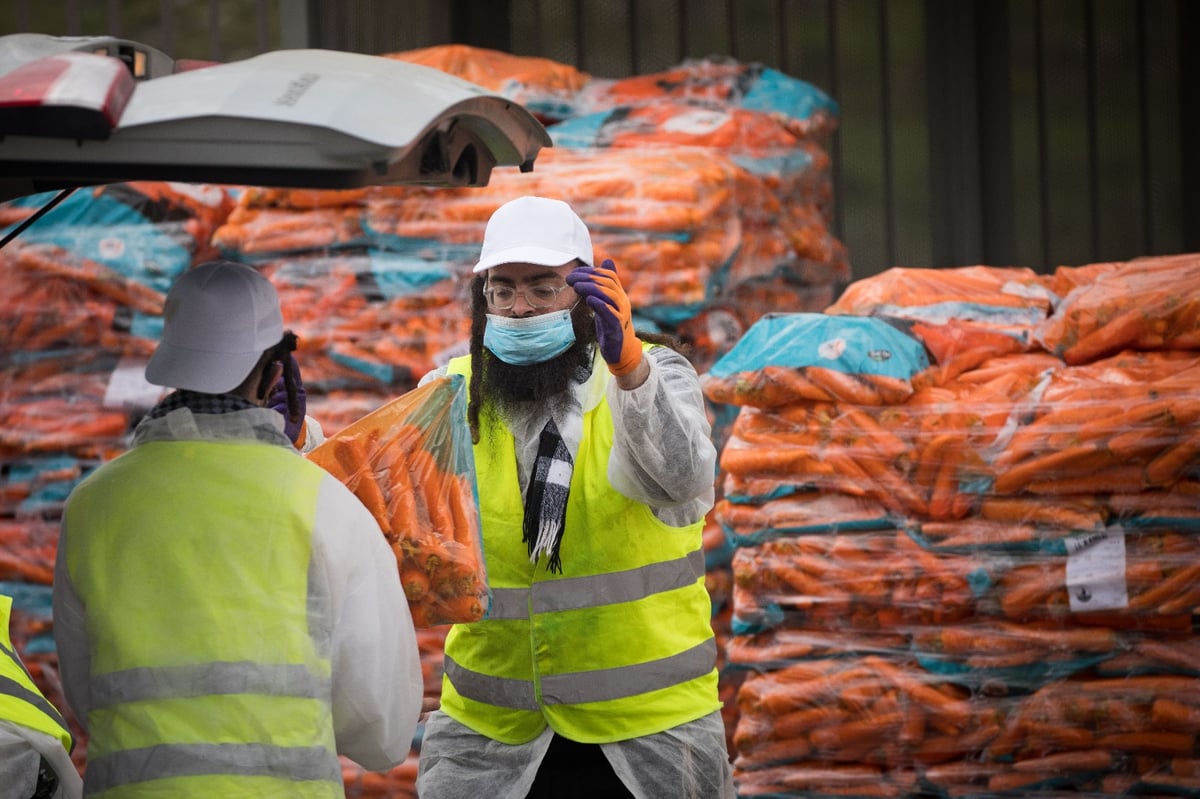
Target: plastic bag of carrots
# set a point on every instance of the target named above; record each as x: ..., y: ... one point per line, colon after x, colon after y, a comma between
x: 1150, y: 303
x: 787, y: 358
x: 721, y: 82
x: 411, y: 464
x: 547, y: 88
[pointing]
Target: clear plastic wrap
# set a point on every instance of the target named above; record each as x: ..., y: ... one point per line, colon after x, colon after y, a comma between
x: 723, y: 83
x: 411, y: 464
x: 986, y: 586
x: 1146, y: 303
x: 789, y: 358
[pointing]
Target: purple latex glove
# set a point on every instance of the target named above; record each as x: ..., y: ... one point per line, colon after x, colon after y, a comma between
x: 278, y: 401
x: 602, y: 291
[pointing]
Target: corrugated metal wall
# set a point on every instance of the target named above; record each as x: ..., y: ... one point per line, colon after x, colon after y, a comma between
x: 1024, y: 132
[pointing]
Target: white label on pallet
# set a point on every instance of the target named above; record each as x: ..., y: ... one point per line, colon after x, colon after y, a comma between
x: 1096, y: 571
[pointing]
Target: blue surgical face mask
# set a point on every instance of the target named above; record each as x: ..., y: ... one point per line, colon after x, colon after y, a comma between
x: 530, y: 339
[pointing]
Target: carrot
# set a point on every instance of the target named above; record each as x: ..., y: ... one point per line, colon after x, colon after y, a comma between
x: 1015, y: 780
x: 962, y: 771
x: 781, y: 699
x: 1182, y: 786
x: 1182, y: 603
x: 1169, y: 465
x: 890, y: 487
x: 1073, y: 515
x: 1056, y: 734
x: 852, y: 478
x: 1117, y: 334
x: 1156, y: 742
x: 1082, y: 760
x: 430, y: 481
x: 826, y: 778
x: 762, y: 460
x: 415, y: 582
x: 1136, y: 418
x: 869, y: 730
x: 465, y: 513
x: 462, y: 608
x: 876, y: 436
x: 58, y: 262
x: 798, y: 580
x: 14, y: 565
x: 934, y: 700
x: 743, y: 649
x: 772, y: 753
x: 800, y: 722
x: 791, y: 385
x: 844, y: 387
x: 1175, y: 716
x: 1030, y: 439
x: 929, y: 456
x: 1005, y: 660
x: 402, y: 500
x: 945, y: 499
x: 1121, y: 477
x: 1008, y: 638
x: 1166, y: 589
x: 355, y: 465
x: 979, y: 533
x: 1087, y: 456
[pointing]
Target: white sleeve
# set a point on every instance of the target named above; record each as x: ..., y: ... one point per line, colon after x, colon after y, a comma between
x: 314, y: 435
x: 70, y: 636
x: 663, y: 453
x: 377, y: 683
x: 433, y: 374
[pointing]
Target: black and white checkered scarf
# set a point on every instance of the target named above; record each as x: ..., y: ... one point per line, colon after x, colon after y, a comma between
x: 546, y: 499
x: 196, y: 402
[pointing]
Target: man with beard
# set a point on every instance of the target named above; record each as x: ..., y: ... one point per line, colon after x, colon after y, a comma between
x: 594, y: 671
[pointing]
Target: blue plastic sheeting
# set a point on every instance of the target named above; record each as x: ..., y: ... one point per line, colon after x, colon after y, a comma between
x: 850, y: 344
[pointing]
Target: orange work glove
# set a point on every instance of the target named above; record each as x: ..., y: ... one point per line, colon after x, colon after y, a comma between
x: 601, y: 289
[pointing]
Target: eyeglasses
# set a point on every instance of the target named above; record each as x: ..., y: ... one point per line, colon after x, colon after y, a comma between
x: 540, y: 295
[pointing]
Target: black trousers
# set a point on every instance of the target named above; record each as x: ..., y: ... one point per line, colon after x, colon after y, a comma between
x: 47, y: 782
x: 573, y: 770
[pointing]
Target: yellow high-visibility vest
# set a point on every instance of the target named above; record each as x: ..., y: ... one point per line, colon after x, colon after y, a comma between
x: 618, y: 646
x: 210, y: 674
x: 21, y: 702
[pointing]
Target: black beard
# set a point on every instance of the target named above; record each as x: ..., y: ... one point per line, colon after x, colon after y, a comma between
x: 512, y: 387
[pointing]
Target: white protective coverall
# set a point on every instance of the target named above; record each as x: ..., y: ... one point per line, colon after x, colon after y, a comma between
x: 662, y: 455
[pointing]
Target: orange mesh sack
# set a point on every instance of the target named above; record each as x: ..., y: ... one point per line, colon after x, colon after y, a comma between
x: 411, y: 464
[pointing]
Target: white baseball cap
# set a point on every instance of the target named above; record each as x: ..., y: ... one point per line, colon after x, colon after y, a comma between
x: 218, y: 319
x: 534, y: 230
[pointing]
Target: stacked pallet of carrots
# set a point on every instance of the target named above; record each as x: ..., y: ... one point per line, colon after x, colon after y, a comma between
x: 980, y: 574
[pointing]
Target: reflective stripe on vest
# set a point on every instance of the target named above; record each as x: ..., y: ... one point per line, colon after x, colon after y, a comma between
x: 293, y: 764
x: 139, y: 685
x: 213, y: 665
x: 619, y: 645
x: 580, y: 592
x: 592, y: 686
x: 20, y: 700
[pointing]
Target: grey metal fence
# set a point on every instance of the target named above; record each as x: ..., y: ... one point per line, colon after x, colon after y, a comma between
x: 1007, y: 132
